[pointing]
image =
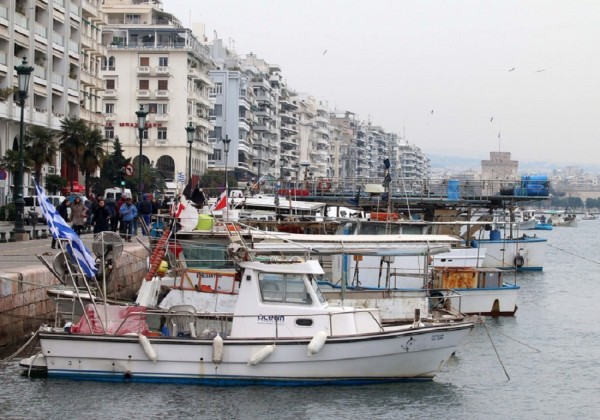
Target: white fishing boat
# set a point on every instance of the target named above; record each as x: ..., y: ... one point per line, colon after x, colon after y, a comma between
x: 474, y: 291
x: 589, y: 216
x: 523, y: 252
x: 282, y: 331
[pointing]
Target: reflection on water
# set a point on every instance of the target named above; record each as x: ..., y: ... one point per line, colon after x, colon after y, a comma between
x: 549, y: 350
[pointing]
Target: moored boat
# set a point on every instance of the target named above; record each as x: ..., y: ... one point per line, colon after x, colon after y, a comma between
x: 282, y: 331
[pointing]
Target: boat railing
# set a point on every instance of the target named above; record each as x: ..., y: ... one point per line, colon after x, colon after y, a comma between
x: 206, y: 325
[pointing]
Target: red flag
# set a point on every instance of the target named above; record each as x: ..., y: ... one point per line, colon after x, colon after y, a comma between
x: 221, y: 202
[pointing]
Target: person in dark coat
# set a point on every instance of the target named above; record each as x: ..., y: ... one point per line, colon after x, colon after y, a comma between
x: 101, y: 217
x: 63, y: 210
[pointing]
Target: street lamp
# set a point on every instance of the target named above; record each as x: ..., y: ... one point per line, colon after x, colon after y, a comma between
x: 141, y: 116
x: 305, y: 165
x: 278, y: 210
x: 226, y: 142
x: 24, y: 73
x: 190, y: 130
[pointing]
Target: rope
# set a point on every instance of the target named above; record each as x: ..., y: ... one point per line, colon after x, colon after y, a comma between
x: 12, y: 356
x: 575, y: 255
x: 514, y: 339
x: 495, y: 350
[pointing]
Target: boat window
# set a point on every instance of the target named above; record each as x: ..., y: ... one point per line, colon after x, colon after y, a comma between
x: 315, y: 286
x: 304, y: 322
x: 288, y: 288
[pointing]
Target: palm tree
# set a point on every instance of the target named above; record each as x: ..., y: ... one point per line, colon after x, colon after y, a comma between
x: 40, y: 148
x: 72, y: 144
x: 93, y: 155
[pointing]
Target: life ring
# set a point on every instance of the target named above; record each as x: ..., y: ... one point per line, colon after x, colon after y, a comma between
x: 324, y: 185
x: 519, y: 261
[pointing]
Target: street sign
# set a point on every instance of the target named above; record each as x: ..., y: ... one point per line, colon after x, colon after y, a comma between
x: 180, y: 177
x: 128, y: 169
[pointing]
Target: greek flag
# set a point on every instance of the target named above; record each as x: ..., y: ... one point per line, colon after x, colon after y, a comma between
x: 61, y: 230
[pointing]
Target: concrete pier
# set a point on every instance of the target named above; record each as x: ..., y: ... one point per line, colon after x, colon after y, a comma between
x: 24, y: 280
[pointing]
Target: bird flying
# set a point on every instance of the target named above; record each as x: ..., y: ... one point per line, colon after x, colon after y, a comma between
x: 513, y: 69
x: 540, y: 70
x: 324, y: 52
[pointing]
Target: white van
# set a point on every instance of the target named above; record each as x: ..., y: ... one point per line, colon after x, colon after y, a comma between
x: 115, y: 193
x: 32, y: 205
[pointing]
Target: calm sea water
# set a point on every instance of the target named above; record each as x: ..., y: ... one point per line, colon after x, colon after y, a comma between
x: 549, y: 350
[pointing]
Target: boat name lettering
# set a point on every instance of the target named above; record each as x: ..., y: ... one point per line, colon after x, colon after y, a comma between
x: 270, y: 318
x: 436, y: 337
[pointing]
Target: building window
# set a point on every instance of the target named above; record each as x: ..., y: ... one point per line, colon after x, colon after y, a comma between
x: 109, y: 133
x: 162, y: 108
x: 144, y: 84
x: 218, y: 88
x: 216, y: 155
x: 109, y: 108
x: 218, y: 110
x: 144, y: 134
x: 163, y: 61
x: 163, y: 85
x: 107, y: 63
x: 144, y: 61
x: 110, y: 84
x: 162, y: 133
x: 132, y: 18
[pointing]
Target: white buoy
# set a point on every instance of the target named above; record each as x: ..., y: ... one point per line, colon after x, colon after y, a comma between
x: 217, y: 350
x: 261, y: 355
x: 317, y: 343
x: 147, y: 346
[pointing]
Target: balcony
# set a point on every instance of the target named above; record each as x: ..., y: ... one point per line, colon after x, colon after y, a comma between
x: 144, y: 93
x: 161, y: 117
x: 163, y: 94
x: 110, y: 117
x: 143, y: 70
x: 162, y: 70
x: 110, y: 93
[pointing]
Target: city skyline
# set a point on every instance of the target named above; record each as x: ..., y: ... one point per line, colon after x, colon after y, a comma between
x: 462, y: 78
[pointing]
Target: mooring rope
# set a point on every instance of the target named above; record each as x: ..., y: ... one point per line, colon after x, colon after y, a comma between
x: 494, y: 347
x: 15, y: 354
x: 575, y: 255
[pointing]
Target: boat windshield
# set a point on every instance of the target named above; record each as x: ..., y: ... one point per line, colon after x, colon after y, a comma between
x: 288, y: 288
x: 315, y: 286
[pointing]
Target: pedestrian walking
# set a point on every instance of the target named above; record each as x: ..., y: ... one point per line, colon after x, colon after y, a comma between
x: 78, y: 215
x: 101, y: 217
x: 128, y: 214
x: 63, y: 211
x: 145, y: 212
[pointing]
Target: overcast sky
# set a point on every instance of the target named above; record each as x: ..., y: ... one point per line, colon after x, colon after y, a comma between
x: 451, y: 75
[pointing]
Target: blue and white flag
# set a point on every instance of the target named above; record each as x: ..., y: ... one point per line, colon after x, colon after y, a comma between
x: 61, y: 230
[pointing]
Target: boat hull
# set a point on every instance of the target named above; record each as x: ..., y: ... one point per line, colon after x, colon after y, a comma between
x: 525, y: 254
x: 405, y: 354
x: 490, y: 301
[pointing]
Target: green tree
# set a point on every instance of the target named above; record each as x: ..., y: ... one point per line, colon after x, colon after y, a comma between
x: 114, y: 163
x: 54, y: 183
x: 40, y: 148
x: 72, y: 144
x: 93, y: 155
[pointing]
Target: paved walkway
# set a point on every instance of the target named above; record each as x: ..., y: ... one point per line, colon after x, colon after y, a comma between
x: 14, y: 255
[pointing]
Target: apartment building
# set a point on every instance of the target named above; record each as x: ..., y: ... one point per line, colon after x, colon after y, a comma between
x: 154, y: 62
x: 61, y: 41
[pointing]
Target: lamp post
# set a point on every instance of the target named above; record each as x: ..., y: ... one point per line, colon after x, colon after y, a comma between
x: 278, y: 210
x: 24, y: 73
x: 141, y: 116
x: 305, y: 165
x: 190, y: 130
x: 226, y: 141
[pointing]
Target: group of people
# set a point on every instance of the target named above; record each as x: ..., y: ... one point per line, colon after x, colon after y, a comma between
x: 107, y: 215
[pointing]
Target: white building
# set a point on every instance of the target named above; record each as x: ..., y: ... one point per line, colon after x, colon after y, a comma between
x: 154, y: 62
x: 61, y: 40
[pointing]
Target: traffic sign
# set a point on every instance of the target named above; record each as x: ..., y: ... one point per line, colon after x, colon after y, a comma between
x: 180, y: 177
x: 128, y: 169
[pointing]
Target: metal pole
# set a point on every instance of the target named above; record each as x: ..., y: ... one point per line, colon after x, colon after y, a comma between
x: 140, y: 164
x: 19, y: 202
x: 190, y: 164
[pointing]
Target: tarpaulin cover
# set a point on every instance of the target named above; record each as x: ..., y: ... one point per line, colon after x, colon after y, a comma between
x: 121, y: 320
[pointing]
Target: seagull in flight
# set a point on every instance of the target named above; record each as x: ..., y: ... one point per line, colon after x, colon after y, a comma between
x: 432, y: 111
x: 540, y: 70
x: 513, y: 69
x: 324, y: 52
x: 491, y: 119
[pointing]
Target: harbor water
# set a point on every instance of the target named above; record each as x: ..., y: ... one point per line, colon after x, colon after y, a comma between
x: 541, y: 363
